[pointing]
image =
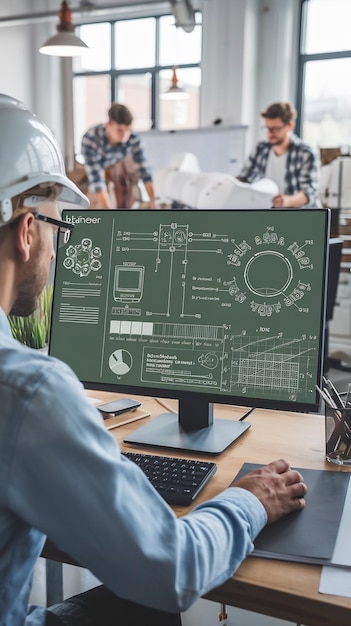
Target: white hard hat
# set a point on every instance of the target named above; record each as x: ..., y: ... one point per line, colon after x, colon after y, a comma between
x: 29, y: 156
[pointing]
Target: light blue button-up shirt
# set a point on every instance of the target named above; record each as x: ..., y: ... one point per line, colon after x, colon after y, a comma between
x: 62, y: 475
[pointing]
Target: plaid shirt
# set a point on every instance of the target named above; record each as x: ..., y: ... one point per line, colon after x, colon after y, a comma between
x: 99, y: 154
x: 302, y: 168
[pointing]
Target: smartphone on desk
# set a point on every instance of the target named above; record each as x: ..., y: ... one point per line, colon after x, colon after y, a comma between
x: 117, y: 407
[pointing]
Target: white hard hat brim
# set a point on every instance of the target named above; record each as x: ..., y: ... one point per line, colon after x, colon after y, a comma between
x: 70, y: 193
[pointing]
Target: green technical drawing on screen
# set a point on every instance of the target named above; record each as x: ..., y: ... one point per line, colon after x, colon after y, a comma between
x: 222, y: 302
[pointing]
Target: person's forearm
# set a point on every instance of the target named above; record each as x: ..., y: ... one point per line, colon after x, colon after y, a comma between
x: 298, y: 199
x: 282, y: 201
x: 151, y: 193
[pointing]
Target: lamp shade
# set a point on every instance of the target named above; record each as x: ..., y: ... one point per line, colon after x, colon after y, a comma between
x: 174, y: 92
x: 65, y: 43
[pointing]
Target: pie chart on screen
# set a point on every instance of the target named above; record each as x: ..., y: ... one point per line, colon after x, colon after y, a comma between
x: 120, y: 362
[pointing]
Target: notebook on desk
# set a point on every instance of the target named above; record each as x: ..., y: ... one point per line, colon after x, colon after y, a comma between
x: 125, y: 418
x: 114, y: 421
x: 310, y: 535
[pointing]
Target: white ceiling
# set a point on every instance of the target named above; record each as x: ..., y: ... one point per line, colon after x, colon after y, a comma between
x: 31, y: 10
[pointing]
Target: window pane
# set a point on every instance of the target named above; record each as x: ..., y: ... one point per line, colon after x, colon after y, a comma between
x: 135, y: 43
x: 177, y: 46
x: 98, y: 57
x: 327, y: 103
x: 327, y: 26
x: 135, y: 92
x: 177, y: 114
x: 92, y: 100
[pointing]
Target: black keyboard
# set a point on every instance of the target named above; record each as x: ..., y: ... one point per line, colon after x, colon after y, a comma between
x: 178, y: 481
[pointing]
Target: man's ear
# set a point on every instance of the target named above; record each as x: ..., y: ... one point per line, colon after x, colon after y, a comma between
x: 24, y: 236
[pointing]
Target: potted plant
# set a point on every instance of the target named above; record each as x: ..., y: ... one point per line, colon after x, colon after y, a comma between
x: 33, y: 330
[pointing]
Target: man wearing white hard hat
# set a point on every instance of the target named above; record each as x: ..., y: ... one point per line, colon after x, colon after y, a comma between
x: 62, y: 472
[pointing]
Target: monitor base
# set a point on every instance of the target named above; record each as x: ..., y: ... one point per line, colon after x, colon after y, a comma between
x: 164, y: 431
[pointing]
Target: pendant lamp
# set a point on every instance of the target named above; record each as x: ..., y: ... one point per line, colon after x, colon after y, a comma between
x: 174, y: 92
x: 64, y: 43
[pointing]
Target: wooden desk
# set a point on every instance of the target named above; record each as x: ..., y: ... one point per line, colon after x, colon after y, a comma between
x: 280, y: 589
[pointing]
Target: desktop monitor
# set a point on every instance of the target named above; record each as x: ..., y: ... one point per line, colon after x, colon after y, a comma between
x: 213, y: 306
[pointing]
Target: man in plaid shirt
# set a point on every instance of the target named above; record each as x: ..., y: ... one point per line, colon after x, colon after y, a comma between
x: 112, y: 151
x: 285, y: 159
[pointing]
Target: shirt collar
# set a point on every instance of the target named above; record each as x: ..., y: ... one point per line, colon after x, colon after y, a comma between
x: 4, y: 324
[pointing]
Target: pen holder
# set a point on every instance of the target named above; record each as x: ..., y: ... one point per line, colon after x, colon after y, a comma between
x: 338, y: 435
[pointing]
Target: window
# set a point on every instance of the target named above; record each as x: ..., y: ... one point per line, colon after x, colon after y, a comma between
x: 131, y: 61
x: 324, y: 76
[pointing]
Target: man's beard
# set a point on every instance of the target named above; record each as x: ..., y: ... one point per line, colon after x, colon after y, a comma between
x: 26, y: 303
x: 277, y: 142
x: 32, y: 284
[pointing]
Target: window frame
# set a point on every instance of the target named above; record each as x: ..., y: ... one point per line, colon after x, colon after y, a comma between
x: 304, y: 58
x: 154, y: 70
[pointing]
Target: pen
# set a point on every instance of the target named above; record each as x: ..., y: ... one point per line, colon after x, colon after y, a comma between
x: 335, y: 395
x: 325, y: 395
x: 342, y: 419
x: 348, y: 397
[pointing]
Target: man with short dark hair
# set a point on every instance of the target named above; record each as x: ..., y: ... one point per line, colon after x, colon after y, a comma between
x: 113, y: 152
x: 62, y: 472
x: 285, y: 159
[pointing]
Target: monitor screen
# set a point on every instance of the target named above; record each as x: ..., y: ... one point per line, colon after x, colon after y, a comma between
x: 213, y: 306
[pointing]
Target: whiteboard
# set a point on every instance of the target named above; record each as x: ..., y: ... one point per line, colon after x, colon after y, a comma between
x: 218, y: 148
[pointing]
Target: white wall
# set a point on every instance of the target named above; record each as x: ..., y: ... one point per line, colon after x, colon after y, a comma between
x: 230, y: 52
x: 278, y: 51
x: 249, y: 59
x: 15, y: 66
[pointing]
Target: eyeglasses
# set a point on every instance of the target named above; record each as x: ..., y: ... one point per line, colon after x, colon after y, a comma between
x: 64, y: 228
x: 274, y: 129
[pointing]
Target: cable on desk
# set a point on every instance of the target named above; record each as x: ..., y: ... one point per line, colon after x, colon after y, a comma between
x: 165, y: 405
x: 241, y: 419
x: 171, y: 410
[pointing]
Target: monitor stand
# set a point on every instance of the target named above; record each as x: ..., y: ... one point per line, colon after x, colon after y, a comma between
x: 193, y: 429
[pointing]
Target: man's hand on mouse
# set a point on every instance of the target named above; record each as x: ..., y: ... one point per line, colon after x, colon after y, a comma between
x: 280, y: 489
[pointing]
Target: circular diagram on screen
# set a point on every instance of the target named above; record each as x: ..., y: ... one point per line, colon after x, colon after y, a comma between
x: 83, y: 258
x: 268, y: 274
x: 120, y: 362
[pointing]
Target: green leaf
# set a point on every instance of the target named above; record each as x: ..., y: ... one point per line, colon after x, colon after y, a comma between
x: 33, y: 331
